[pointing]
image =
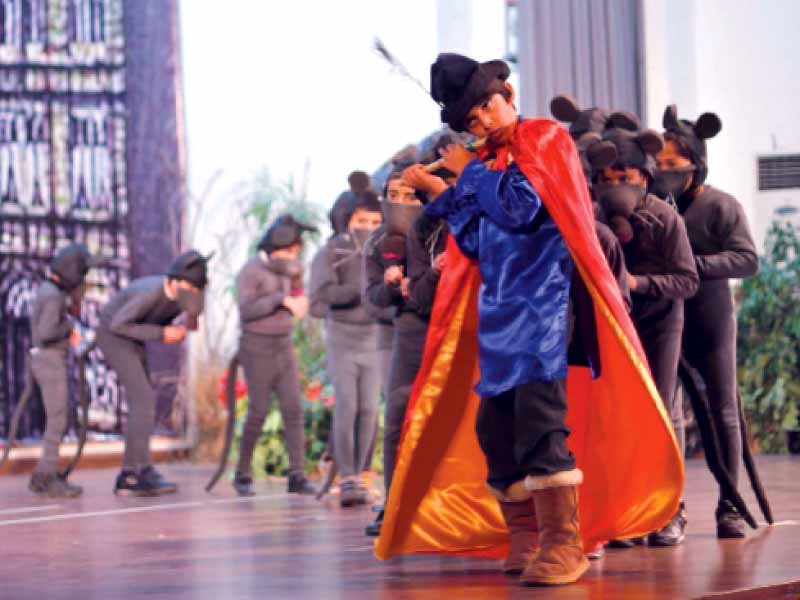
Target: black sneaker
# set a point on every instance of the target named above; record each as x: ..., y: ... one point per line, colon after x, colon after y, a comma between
x: 673, y: 532
x: 243, y: 484
x: 348, y: 493
x: 730, y: 524
x: 53, y: 485
x: 298, y: 484
x: 363, y: 492
x: 626, y: 543
x: 374, y: 527
x: 147, y: 482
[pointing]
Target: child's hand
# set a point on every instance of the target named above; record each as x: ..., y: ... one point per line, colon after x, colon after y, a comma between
x: 404, y: 286
x: 75, y: 338
x: 631, y: 282
x: 456, y: 158
x: 297, y: 305
x: 439, y: 262
x: 174, y: 334
x: 417, y: 177
x: 392, y: 275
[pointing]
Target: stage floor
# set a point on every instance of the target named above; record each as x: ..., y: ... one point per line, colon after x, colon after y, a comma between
x: 200, y: 546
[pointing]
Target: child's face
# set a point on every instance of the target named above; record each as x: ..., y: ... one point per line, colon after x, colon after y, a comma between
x: 671, y: 158
x: 365, y: 219
x: 494, y: 118
x: 289, y: 253
x: 400, y: 192
x: 630, y: 175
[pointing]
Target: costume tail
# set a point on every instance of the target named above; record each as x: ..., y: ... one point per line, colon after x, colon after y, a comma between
x: 750, y: 466
x: 230, y: 400
x: 695, y: 388
x: 27, y: 393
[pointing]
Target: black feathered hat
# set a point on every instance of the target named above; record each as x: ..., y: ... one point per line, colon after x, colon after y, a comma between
x: 285, y: 231
x: 72, y: 263
x: 458, y: 83
x: 191, y: 266
x: 692, y: 136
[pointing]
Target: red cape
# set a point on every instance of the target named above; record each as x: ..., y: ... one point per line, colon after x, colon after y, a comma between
x: 621, y: 436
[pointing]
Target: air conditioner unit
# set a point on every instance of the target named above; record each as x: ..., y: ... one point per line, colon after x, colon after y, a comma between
x: 778, y: 194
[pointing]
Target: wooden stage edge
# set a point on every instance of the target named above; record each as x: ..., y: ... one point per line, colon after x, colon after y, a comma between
x: 193, y: 545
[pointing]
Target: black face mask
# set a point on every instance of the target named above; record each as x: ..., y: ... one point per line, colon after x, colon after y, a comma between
x: 190, y: 301
x: 360, y: 236
x: 399, y: 217
x: 618, y: 203
x: 290, y: 267
x: 672, y: 182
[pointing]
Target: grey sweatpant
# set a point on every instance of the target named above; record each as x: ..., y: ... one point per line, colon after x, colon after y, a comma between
x: 270, y: 366
x: 49, y: 367
x: 356, y: 376
x: 128, y: 359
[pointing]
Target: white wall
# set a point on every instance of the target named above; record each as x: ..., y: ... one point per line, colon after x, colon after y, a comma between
x: 740, y: 59
x: 475, y: 28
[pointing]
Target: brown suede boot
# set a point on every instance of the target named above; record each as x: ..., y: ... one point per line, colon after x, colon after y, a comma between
x: 561, y: 558
x: 524, y: 542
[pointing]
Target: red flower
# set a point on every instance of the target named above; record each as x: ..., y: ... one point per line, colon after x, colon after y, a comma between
x: 314, y: 391
x: 239, y: 392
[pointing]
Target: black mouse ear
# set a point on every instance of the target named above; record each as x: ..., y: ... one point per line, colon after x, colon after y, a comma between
x: 565, y: 108
x: 623, y: 120
x: 670, y: 119
x: 602, y: 154
x: 707, y: 126
x: 650, y: 141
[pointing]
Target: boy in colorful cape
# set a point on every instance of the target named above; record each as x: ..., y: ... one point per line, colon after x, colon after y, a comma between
x: 524, y: 320
x: 526, y: 220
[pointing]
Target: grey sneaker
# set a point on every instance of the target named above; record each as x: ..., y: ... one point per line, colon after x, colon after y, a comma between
x: 51, y: 485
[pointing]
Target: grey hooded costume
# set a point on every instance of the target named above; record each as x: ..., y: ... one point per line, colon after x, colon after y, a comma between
x: 135, y: 315
x: 351, y: 344
x: 723, y: 247
x: 265, y: 346
x: 51, y: 327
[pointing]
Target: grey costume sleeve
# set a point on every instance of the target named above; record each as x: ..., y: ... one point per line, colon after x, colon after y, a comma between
x: 681, y: 280
x: 422, y: 278
x: 738, y: 259
x: 616, y: 260
x: 53, y: 324
x: 251, y: 305
x: 331, y: 291
x: 127, y: 320
x: 377, y: 293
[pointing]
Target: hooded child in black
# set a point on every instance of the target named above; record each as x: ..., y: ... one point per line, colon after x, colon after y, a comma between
x: 270, y: 295
x: 661, y: 268
x: 57, y: 301
x: 586, y: 127
x: 148, y: 310
x: 723, y: 249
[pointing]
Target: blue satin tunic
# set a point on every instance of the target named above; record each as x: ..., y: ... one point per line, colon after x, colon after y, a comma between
x: 498, y: 218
